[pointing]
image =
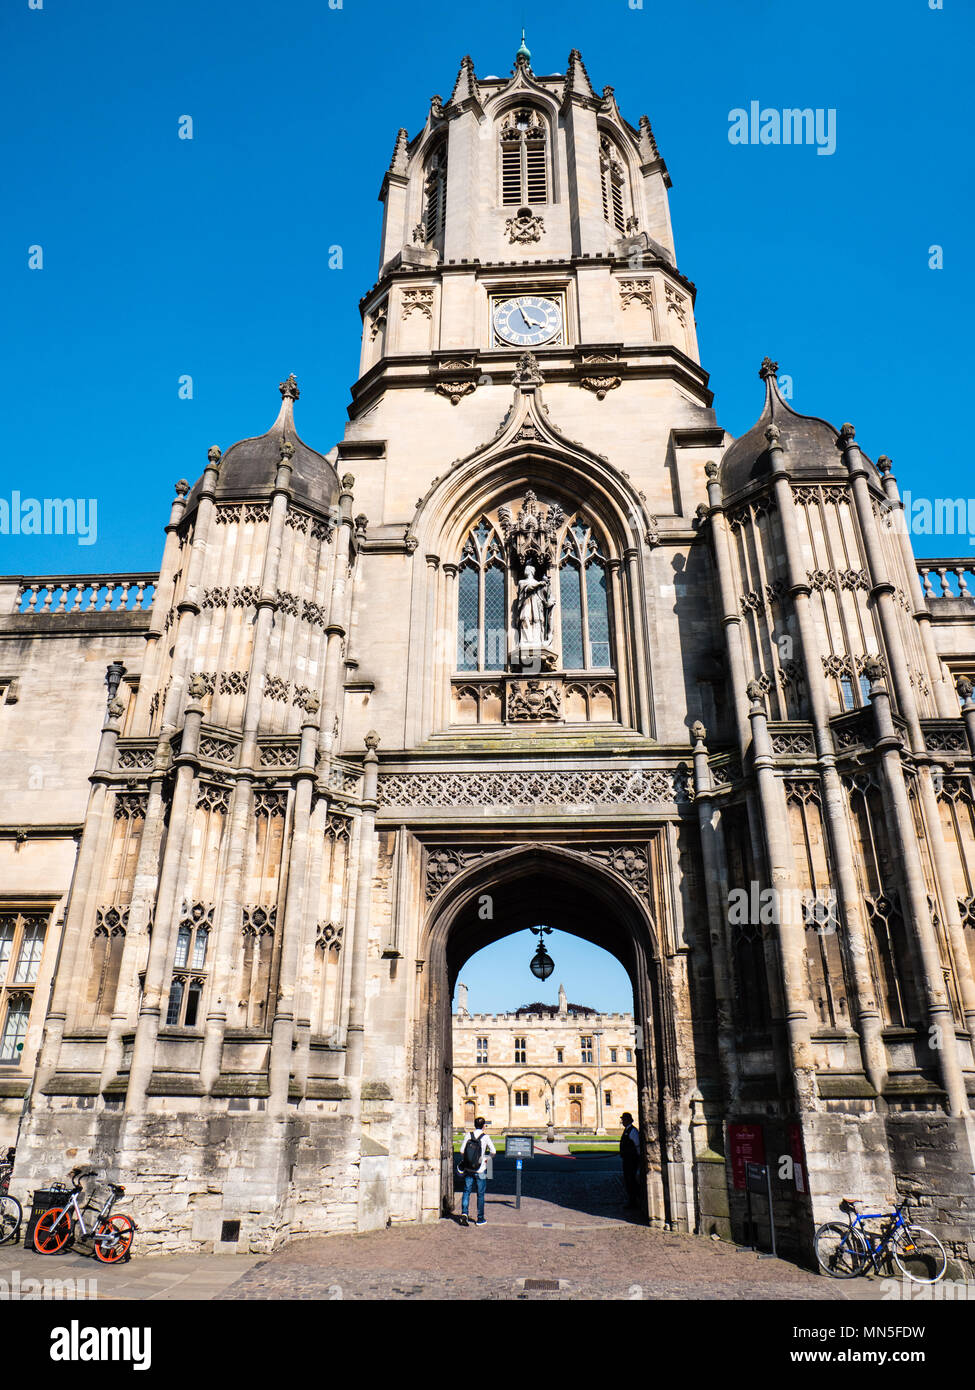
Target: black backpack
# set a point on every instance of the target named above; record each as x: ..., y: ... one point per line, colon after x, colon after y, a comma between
x: 472, y: 1154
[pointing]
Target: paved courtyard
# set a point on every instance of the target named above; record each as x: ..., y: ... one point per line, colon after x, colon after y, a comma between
x: 571, y: 1239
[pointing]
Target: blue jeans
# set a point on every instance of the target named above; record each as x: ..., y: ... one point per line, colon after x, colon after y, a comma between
x: 469, y: 1180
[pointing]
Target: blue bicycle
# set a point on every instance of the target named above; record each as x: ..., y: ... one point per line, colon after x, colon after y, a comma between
x: 844, y: 1251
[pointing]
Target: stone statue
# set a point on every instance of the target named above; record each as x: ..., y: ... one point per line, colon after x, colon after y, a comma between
x: 533, y: 610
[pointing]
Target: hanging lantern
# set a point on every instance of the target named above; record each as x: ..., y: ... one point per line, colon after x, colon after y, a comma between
x: 541, y: 964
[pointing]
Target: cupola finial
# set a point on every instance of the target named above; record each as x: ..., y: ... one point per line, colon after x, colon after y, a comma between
x: 524, y: 52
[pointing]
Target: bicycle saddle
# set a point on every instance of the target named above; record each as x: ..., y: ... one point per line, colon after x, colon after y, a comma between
x: 848, y: 1204
x: 78, y: 1173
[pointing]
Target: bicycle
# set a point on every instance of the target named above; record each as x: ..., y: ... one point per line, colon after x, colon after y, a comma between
x: 11, y: 1212
x: 111, y: 1235
x: 844, y: 1251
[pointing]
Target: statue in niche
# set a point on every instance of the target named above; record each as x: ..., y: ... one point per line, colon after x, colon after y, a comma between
x: 533, y: 610
x: 531, y: 542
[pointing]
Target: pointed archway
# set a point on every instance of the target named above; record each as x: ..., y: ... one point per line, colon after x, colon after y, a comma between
x: 505, y: 893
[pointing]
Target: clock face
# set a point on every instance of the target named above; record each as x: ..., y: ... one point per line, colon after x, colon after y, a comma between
x: 528, y: 320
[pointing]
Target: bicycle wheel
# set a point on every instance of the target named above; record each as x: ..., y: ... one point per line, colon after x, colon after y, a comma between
x: 52, y: 1231
x: 113, y: 1238
x: 919, y: 1254
x: 841, y: 1251
x: 11, y: 1215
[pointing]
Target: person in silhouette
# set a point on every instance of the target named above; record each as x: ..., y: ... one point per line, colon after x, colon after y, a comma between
x: 632, y: 1159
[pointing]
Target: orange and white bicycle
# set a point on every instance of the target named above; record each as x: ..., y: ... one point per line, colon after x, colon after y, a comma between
x: 111, y: 1235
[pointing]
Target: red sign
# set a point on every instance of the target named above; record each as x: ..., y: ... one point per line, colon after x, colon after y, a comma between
x: 798, y: 1158
x: 746, y: 1144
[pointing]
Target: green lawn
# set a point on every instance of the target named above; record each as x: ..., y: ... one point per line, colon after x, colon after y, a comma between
x: 578, y: 1143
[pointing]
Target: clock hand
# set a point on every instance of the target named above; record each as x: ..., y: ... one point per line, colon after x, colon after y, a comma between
x: 532, y: 323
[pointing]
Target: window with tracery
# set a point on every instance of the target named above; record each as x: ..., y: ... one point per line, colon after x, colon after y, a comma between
x: 189, y: 966
x: 524, y: 177
x: 613, y: 176
x: 573, y: 603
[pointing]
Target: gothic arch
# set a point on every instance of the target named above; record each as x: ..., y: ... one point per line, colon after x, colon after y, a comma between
x: 554, y: 883
x: 528, y: 452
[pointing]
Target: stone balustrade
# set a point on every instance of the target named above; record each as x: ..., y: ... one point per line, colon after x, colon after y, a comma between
x: 52, y: 595
x: 948, y: 578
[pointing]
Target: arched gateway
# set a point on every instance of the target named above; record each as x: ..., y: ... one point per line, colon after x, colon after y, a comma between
x: 509, y: 891
x: 536, y: 631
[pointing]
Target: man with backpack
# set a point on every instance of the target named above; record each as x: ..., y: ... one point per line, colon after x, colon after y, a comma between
x: 473, y: 1166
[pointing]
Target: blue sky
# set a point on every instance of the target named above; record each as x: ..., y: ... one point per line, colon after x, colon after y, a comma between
x: 498, y: 978
x: 209, y: 258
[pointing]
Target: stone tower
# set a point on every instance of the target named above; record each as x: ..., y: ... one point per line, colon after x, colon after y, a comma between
x: 536, y: 642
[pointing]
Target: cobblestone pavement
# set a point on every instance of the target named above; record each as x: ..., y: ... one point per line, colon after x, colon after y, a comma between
x: 573, y: 1241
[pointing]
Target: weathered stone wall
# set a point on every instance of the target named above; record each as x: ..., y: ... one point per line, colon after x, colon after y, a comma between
x: 187, y: 1173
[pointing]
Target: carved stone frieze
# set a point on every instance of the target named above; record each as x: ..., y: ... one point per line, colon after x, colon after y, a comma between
x: 566, y: 790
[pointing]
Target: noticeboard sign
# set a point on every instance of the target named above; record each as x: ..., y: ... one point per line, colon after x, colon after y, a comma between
x: 519, y: 1146
x: 756, y: 1178
x: 746, y: 1144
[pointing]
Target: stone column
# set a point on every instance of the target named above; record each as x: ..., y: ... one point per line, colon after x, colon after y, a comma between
x: 883, y: 591
x: 965, y: 689
x: 283, y: 1027
x: 363, y: 905
x: 835, y: 813
x: 77, y: 912
x: 792, y: 946
x: 445, y: 703
x: 637, y: 611
x: 943, y: 696
x: 136, y: 931
x: 939, y: 1008
x: 226, y: 940
x: 161, y: 603
x: 171, y: 874
x: 337, y: 616
x: 730, y: 616
x: 188, y: 608
x: 716, y: 893
x: 881, y: 586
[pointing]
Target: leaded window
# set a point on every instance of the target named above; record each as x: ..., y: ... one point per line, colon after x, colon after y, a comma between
x: 584, y: 595
x: 21, y: 948
x: 579, y: 585
x: 482, y: 628
x: 524, y: 177
x: 17, y: 1015
x: 189, y: 960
